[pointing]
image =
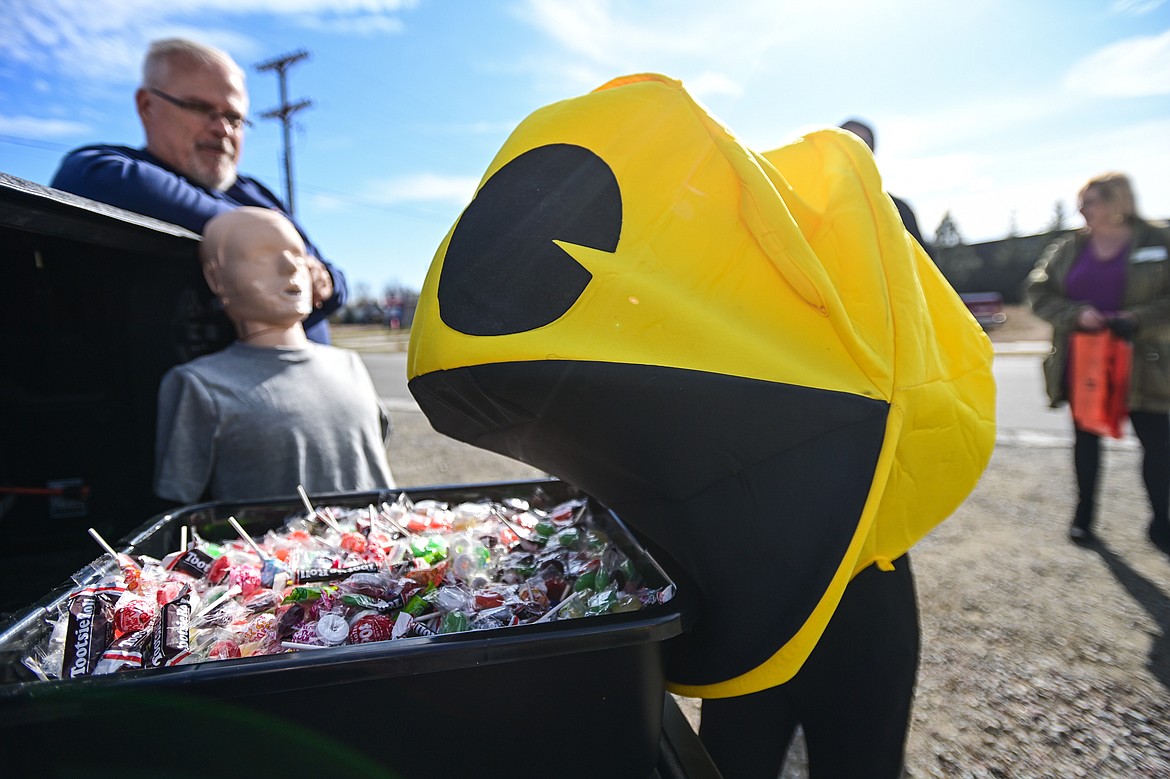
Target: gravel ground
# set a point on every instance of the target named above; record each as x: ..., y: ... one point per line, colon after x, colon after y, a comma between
x: 1039, y: 658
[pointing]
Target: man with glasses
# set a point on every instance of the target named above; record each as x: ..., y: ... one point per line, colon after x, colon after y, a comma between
x: 193, y: 106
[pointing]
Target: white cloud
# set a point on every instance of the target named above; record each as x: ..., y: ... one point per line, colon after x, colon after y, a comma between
x: 421, y: 187
x: 585, y: 27
x: 104, y: 41
x: 432, y: 198
x: 1135, y: 67
x: 604, y: 30
x: 707, y: 84
x: 1136, y: 7
x: 983, y: 188
x: 33, y: 127
x: 663, y: 35
x: 969, y: 121
x: 362, y: 25
x: 467, y: 128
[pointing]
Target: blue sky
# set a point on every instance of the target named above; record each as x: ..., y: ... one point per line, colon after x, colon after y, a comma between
x: 993, y: 110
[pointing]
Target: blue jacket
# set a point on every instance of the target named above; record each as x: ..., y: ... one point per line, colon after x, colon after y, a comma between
x: 136, y: 180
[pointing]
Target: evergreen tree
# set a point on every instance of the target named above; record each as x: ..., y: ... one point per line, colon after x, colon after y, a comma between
x: 947, y: 234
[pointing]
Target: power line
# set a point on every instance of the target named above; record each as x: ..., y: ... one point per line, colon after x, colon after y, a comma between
x: 284, y: 113
x: 35, y: 143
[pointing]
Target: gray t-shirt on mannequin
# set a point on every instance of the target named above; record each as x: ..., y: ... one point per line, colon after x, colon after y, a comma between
x: 254, y: 422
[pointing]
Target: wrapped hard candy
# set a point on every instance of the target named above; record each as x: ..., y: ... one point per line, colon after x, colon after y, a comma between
x: 332, y: 629
x: 223, y: 649
x: 370, y: 628
x: 261, y: 629
x: 246, y: 578
x: 133, y: 614
x: 306, y: 633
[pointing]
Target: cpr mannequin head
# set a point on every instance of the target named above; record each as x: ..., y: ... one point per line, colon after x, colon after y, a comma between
x: 254, y: 261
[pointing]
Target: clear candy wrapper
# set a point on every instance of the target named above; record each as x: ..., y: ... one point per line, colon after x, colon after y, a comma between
x: 334, y: 576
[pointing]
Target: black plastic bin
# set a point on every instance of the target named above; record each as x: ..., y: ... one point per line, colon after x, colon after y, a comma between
x: 573, y: 698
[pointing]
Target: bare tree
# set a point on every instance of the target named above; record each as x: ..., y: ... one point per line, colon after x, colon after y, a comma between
x: 1057, y: 224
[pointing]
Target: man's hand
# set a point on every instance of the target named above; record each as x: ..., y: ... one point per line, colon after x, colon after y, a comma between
x: 322, y: 282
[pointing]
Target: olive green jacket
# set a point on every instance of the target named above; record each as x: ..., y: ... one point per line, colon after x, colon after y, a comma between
x: 1147, y: 296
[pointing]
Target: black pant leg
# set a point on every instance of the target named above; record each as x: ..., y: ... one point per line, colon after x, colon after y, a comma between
x: 1087, y: 465
x: 1153, y: 430
x: 856, y: 691
x: 852, y: 696
x: 748, y: 736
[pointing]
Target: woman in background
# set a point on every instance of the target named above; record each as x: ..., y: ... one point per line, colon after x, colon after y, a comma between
x: 1114, y: 273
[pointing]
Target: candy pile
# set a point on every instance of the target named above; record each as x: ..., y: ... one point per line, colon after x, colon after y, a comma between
x: 335, y: 576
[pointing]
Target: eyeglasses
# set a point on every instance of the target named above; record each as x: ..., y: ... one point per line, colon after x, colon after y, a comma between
x: 234, y: 120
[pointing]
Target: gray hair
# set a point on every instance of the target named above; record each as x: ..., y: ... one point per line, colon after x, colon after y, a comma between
x: 169, y: 52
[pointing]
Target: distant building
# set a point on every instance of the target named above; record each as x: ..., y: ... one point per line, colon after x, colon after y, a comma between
x: 993, y: 266
x: 997, y: 266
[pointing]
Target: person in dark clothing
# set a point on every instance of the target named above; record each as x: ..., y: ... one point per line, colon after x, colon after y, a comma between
x: 852, y: 698
x: 865, y: 133
x: 193, y: 106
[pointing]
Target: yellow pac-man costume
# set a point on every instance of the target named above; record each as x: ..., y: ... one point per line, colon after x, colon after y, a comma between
x: 745, y: 356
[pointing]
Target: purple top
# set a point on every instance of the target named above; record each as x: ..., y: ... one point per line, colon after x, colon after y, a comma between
x: 1100, y: 283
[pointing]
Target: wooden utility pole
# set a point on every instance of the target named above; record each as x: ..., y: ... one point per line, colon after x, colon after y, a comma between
x: 284, y: 113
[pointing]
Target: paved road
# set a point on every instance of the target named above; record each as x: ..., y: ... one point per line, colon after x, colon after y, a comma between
x: 388, y: 370
x: 1023, y: 415
x: 1021, y: 404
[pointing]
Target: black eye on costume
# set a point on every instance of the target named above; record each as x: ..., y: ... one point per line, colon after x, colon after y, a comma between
x: 502, y: 273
